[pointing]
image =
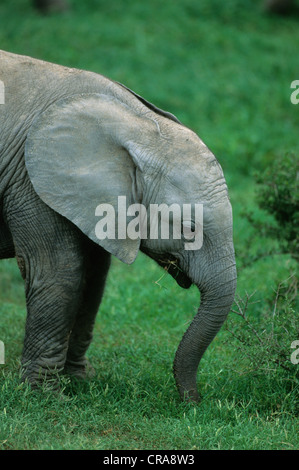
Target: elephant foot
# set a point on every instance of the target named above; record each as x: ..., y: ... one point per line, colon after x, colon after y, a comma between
x: 82, y: 370
x: 190, y: 395
x: 45, y: 379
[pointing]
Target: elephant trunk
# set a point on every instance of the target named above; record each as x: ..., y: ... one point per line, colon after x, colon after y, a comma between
x: 214, y: 307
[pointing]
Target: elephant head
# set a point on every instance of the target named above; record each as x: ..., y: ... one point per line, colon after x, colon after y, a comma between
x: 90, y: 152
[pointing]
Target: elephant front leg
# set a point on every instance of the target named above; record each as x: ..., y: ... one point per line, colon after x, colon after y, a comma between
x: 7, y: 249
x: 52, y: 298
x: 50, y: 317
x: 51, y: 258
x: 97, y: 263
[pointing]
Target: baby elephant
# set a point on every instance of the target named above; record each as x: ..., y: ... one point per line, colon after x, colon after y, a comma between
x: 88, y: 169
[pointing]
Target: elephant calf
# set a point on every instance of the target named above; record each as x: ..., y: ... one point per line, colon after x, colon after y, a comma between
x: 80, y: 155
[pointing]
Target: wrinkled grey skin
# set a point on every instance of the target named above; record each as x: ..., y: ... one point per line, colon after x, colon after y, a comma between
x: 71, y: 140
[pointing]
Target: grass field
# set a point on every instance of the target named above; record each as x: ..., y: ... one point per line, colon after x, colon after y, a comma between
x: 224, y: 69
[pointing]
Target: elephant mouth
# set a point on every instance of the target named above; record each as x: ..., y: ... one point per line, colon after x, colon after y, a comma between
x: 170, y: 264
x: 172, y: 268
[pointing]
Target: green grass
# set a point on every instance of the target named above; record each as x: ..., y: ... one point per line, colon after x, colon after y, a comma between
x: 224, y: 68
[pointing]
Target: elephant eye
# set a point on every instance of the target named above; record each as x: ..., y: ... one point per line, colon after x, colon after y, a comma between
x: 188, y: 229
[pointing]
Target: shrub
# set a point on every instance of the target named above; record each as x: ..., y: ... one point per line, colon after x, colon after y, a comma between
x: 264, y: 343
x: 264, y: 336
x: 278, y: 195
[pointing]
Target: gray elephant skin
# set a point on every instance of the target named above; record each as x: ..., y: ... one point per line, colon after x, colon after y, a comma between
x: 71, y: 140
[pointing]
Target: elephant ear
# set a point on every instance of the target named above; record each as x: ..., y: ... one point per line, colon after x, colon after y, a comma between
x: 77, y: 160
x: 152, y: 106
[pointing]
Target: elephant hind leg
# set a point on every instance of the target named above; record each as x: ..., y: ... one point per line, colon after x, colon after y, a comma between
x: 97, y: 263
